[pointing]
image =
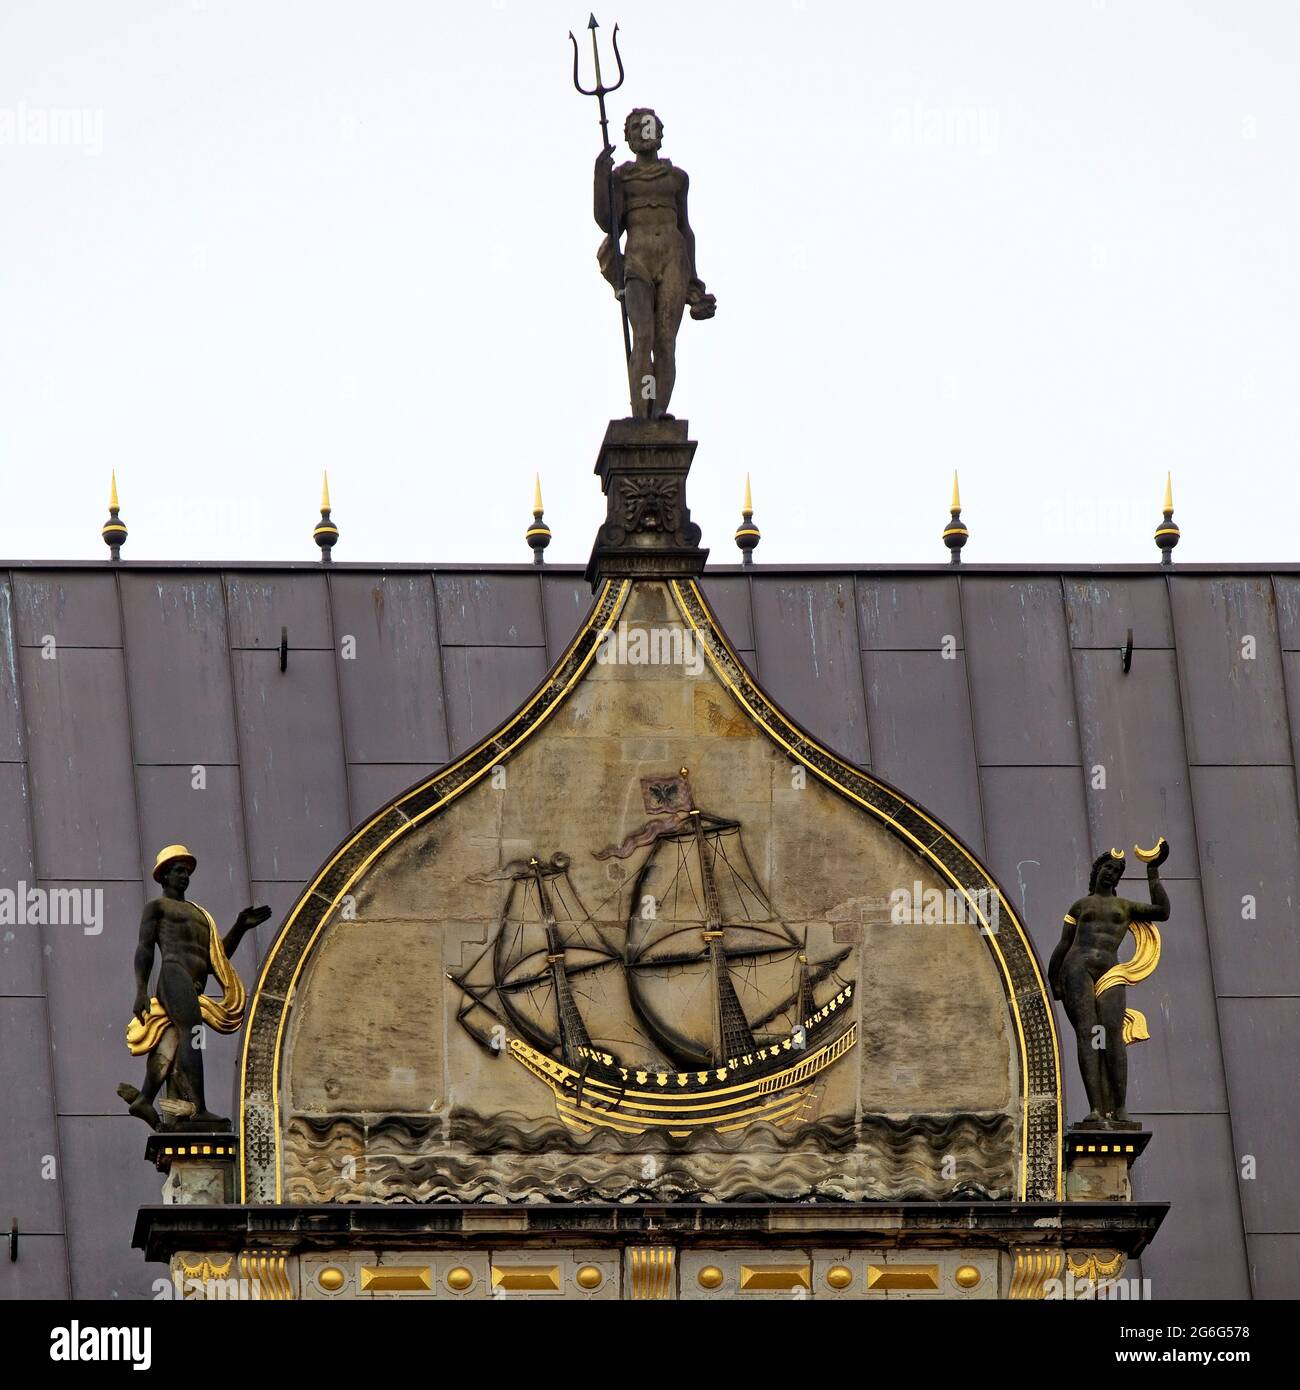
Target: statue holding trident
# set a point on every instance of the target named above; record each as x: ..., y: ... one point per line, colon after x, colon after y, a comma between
x: 165, y: 1027
x: 654, y: 276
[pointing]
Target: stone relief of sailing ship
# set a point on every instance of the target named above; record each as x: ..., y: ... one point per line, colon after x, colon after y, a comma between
x: 701, y: 1011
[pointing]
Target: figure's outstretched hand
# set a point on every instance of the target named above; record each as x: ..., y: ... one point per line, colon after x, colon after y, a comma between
x: 251, y: 916
x: 605, y: 160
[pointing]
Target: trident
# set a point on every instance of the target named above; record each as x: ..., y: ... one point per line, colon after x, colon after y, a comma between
x: 599, y: 91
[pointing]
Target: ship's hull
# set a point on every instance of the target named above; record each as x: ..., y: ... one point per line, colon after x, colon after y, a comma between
x: 775, y: 1088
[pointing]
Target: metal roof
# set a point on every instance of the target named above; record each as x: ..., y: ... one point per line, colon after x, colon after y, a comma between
x: 157, y: 670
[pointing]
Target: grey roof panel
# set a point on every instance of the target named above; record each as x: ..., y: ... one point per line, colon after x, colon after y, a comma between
x: 918, y: 716
x: 27, y: 1144
x: 178, y: 669
x: 280, y: 898
x: 1131, y: 731
x: 209, y: 820
x: 76, y: 609
x: 78, y: 737
x: 372, y: 785
x: 1286, y: 588
x: 1233, y: 705
x: 1179, y: 1067
x: 1291, y: 679
x: 480, y: 610
x: 391, y: 682
x: 484, y: 685
x: 914, y: 614
x: 92, y: 984
x: 107, y: 1179
x: 1274, y: 1260
x: 1261, y: 1040
x: 1250, y: 846
x: 295, y: 787
x: 11, y: 741
x: 1200, y: 1251
x: 261, y: 605
x: 728, y: 598
x: 1102, y: 609
x: 806, y: 634
x: 41, y: 1270
x: 1038, y: 850
x: 1018, y: 654
x: 20, y: 947
x: 566, y: 601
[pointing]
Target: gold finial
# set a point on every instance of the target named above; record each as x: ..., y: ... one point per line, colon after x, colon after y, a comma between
x: 685, y: 771
x: 113, y: 530
x: 747, y: 534
x: 956, y: 495
x: 326, y: 533
x: 538, y: 534
x: 1167, y: 532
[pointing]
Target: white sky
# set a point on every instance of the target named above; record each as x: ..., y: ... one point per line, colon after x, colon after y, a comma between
x: 1054, y: 245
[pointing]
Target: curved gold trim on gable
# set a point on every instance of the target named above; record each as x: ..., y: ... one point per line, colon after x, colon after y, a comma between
x: 260, y: 1164
x: 1044, y: 1149
x: 268, y: 1010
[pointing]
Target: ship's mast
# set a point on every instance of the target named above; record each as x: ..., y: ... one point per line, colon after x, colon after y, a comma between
x: 731, y: 1033
x: 573, y: 1031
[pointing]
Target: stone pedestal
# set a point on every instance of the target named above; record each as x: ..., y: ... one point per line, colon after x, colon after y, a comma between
x: 1097, y: 1163
x: 648, y: 531
x: 200, y: 1168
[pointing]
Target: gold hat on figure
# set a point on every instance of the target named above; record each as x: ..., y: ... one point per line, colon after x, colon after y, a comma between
x: 169, y: 855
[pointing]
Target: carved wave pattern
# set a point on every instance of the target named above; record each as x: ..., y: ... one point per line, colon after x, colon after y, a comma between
x: 509, y: 1158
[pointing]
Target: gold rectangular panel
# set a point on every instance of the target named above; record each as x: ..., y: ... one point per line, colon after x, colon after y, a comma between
x: 650, y: 1270
x: 396, y: 1278
x: 518, y: 1277
x: 884, y: 1277
x: 754, y: 1277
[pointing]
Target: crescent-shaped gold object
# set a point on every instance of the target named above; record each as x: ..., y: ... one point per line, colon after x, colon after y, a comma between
x: 1147, y: 855
x: 1116, y: 853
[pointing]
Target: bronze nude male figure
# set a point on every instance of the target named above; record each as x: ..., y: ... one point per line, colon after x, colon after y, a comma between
x: 166, y: 1027
x: 655, y: 273
x: 1086, y: 975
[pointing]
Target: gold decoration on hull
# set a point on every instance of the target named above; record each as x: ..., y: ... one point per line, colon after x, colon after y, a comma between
x: 589, y: 1277
x: 331, y: 1278
x: 590, y: 1102
x: 1032, y: 1267
x: 839, y: 1277
x: 967, y: 1277
x: 459, y: 1279
x: 711, y: 1277
x: 650, y: 1270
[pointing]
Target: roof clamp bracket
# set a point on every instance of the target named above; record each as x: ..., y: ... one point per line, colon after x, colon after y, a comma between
x: 1126, y: 653
x: 284, y: 650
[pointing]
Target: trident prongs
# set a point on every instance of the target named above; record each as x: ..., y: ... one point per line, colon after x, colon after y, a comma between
x: 600, y: 91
